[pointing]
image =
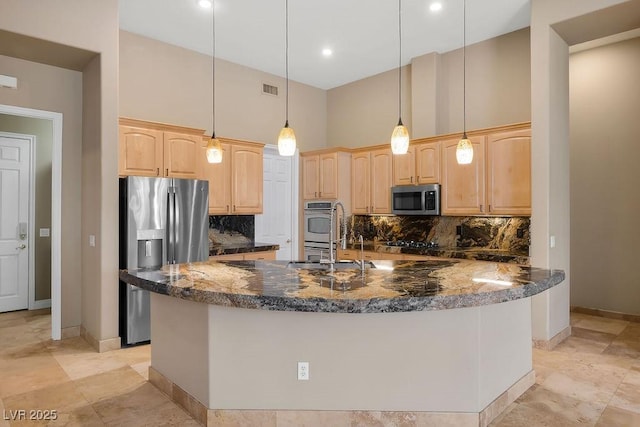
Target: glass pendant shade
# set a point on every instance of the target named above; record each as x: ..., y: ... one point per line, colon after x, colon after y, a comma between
x: 214, y: 151
x: 400, y: 139
x: 286, y: 141
x: 464, y: 151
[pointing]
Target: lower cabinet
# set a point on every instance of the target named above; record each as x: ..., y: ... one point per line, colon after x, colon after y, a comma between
x: 354, y: 254
x: 247, y: 256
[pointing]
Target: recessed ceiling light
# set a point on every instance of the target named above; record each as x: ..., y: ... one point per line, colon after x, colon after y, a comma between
x: 435, y: 7
x: 327, y: 52
x: 205, y: 4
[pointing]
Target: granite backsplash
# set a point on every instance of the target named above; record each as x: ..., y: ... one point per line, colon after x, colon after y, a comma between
x: 241, y: 224
x: 504, y: 233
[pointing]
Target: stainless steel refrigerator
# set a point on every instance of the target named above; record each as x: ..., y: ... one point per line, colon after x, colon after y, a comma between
x: 162, y: 221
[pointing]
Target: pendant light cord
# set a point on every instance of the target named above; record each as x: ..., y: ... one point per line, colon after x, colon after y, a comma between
x: 213, y: 69
x: 400, y: 62
x: 286, y: 60
x: 464, y: 69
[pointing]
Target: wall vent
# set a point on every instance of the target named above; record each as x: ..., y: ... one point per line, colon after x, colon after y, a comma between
x: 269, y: 89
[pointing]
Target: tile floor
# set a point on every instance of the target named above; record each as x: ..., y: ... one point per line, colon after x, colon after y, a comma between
x: 591, y: 379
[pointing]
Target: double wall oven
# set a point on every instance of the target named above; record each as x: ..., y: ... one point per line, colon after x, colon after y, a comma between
x: 317, y: 221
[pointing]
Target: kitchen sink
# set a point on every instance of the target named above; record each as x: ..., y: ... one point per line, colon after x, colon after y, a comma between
x: 338, y: 265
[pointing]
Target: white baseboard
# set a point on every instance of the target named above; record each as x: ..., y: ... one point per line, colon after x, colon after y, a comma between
x: 39, y: 304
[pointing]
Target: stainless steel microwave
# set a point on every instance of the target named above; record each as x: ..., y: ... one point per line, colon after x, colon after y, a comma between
x: 416, y: 199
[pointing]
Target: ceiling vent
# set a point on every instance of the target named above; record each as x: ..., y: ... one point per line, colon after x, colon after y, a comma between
x: 269, y: 89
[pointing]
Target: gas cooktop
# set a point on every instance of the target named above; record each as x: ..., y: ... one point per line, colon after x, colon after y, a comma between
x: 412, y: 244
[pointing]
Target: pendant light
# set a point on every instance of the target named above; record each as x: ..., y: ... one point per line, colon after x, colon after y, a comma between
x: 214, y: 149
x: 286, y: 139
x: 464, y: 150
x: 400, y: 135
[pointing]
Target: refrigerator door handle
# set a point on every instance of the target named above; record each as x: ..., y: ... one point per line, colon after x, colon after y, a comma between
x: 171, y: 226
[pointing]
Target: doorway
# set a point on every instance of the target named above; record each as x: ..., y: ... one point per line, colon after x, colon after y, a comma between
x: 279, y: 221
x: 56, y: 206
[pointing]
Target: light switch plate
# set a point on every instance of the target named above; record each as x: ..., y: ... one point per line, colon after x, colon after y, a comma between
x: 92, y: 240
x: 44, y: 232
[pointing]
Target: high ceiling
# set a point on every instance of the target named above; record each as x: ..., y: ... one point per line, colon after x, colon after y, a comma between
x: 363, y: 34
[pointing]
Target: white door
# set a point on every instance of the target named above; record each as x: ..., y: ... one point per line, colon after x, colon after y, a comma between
x: 276, y: 223
x: 14, y: 216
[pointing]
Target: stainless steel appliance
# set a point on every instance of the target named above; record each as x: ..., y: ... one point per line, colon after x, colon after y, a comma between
x: 162, y: 221
x: 317, y: 226
x: 416, y: 199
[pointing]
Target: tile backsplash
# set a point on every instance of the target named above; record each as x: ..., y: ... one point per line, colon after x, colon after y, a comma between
x: 505, y: 233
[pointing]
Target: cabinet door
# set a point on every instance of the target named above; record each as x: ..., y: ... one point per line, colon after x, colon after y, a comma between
x: 381, y: 181
x: 360, y: 183
x: 310, y: 177
x: 428, y: 163
x: 219, y: 177
x: 328, y: 176
x: 140, y: 151
x: 404, y: 168
x: 246, y: 179
x: 509, y: 172
x: 463, y: 185
x: 182, y: 155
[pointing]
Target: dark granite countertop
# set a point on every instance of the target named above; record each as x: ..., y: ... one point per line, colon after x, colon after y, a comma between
x: 473, y: 253
x: 240, y: 248
x: 393, y: 286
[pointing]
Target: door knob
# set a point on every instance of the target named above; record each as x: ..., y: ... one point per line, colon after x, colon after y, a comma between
x: 21, y: 246
x: 288, y: 240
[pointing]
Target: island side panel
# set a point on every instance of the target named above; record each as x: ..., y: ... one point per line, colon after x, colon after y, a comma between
x: 180, y: 343
x: 505, y: 348
x: 413, y: 361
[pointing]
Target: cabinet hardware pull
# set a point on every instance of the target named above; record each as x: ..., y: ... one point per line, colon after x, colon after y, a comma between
x: 167, y: 171
x: 489, y: 208
x: 315, y: 194
x: 481, y: 210
x: 412, y: 180
x: 234, y: 208
x: 227, y: 208
x: 320, y: 193
x: 157, y: 171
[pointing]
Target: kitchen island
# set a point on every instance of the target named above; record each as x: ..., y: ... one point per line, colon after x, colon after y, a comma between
x: 446, y: 341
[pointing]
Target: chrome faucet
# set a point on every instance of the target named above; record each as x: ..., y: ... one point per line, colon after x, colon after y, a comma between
x: 333, y: 252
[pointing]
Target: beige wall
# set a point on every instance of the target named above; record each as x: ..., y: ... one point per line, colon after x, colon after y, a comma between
x: 366, y: 111
x: 165, y: 83
x: 43, y: 131
x: 498, y: 80
x: 50, y: 88
x: 605, y: 176
x: 90, y: 26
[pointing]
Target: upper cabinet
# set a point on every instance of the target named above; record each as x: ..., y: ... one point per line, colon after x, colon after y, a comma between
x: 325, y: 174
x: 156, y: 149
x: 498, y: 180
x: 509, y: 172
x: 371, y: 181
x: 421, y: 164
x: 236, y: 184
x: 463, y: 186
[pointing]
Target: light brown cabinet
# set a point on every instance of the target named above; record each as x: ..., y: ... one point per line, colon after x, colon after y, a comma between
x: 354, y: 254
x: 463, y: 186
x: 247, y: 256
x: 509, y: 172
x: 156, y: 149
x: 235, y: 184
x: 498, y: 180
x: 371, y: 181
x: 325, y: 175
x: 421, y: 164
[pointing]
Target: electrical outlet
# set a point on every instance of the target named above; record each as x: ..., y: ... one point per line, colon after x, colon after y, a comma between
x: 303, y: 371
